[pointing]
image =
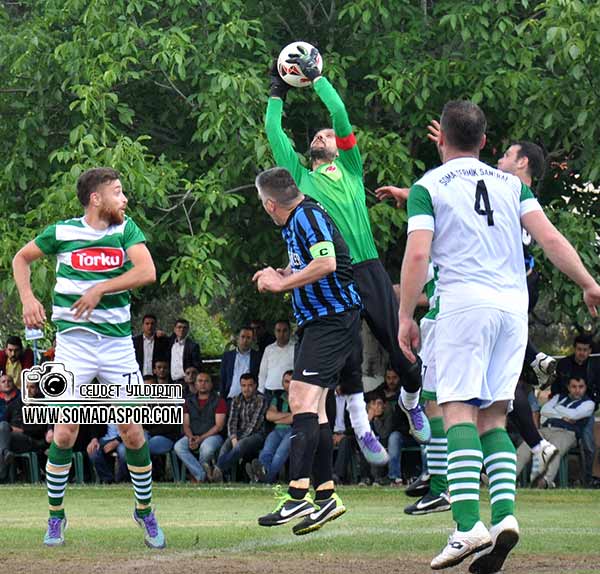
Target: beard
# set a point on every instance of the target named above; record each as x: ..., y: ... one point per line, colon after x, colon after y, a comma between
x: 321, y: 153
x: 111, y: 216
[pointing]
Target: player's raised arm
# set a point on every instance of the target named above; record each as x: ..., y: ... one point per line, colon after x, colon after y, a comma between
x: 283, y: 151
x: 34, y: 313
x: 562, y: 254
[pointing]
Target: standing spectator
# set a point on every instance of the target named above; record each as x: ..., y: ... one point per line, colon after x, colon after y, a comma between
x: 204, y: 416
x: 260, y: 336
x: 244, y: 428
x: 566, y: 416
x: 13, y: 359
x: 149, y: 347
x: 102, y: 455
x: 276, y: 451
x: 276, y: 360
x: 184, y: 352
x: 190, y: 375
x: 580, y: 365
x: 243, y: 359
x: 15, y: 435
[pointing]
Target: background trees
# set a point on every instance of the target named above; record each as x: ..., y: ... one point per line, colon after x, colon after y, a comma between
x: 172, y: 93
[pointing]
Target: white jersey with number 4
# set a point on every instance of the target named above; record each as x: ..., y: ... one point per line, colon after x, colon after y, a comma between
x: 474, y: 212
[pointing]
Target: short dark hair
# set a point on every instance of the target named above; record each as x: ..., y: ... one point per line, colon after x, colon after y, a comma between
x: 182, y: 321
x: 578, y: 379
x: 463, y: 123
x: 204, y: 373
x: 14, y: 340
x: 90, y: 179
x: 583, y: 340
x: 534, y: 155
x: 149, y: 316
x: 284, y: 321
x: 244, y: 328
x: 278, y: 184
x: 248, y: 377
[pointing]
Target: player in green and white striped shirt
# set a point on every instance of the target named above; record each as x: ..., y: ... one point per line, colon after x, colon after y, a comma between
x: 467, y: 217
x: 100, y: 256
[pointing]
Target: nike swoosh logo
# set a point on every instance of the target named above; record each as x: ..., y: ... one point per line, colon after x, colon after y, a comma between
x: 309, y: 373
x: 317, y: 515
x: 285, y: 513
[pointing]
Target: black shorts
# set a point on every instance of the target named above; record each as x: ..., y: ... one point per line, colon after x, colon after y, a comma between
x: 330, y: 348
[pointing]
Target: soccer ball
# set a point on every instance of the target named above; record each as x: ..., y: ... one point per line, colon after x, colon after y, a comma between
x: 291, y: 73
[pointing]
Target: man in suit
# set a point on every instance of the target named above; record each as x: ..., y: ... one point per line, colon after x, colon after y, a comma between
x: 149, y: 347
x: 184, y: 352
x: 243, y: 359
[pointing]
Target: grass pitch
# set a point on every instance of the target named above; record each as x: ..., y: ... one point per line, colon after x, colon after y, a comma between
x: 214, y: 529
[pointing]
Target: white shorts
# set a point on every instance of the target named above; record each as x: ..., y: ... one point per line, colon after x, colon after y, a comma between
x: 89, y: 356
x: 427, y: 354
x: 479, y: 354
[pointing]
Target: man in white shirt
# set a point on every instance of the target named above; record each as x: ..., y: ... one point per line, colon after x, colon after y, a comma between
x: 277, y: 359
x: 184, y: 352
x: 467, y: 216
x: 149, y: 345
x: 566, y: 416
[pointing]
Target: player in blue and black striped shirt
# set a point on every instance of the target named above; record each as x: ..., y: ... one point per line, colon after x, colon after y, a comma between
x: 327, y: 308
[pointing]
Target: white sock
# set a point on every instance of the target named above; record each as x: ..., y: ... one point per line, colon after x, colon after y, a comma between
x: 357, y: 409
x: 409, y: 400
x: 539, y: 446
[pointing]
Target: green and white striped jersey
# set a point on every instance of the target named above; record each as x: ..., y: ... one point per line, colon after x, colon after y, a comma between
x: 474, y: 212
x: 84, y: 258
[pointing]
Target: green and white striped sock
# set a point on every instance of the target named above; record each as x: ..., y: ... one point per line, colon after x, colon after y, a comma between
x: 500, y: 461
x: 57, y: 476
x: 437, y: 457
x: 140, y: 470
x: 465, y: 460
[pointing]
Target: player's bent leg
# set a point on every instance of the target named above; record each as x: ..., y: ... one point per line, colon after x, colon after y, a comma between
x: 58, y: 467
x: 296, y: 502
x: 140, y: 470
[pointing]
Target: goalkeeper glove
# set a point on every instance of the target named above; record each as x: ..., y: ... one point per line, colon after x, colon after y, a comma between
x: 279, y: 88
x: 306, y: 62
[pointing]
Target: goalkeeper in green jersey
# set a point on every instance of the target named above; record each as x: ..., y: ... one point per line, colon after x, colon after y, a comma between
x: 335, y: 180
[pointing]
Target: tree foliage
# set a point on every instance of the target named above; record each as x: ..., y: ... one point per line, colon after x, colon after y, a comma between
x: 172, y: 93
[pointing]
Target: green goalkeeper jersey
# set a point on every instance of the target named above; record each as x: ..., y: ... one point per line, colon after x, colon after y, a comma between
x: 337, y: 186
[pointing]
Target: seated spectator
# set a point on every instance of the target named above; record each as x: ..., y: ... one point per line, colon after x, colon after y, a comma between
x: 160, y: 372
x: 16, y: 436
x: 204, y: 415
x: 49, y: 354
x: 261, y: 338
x: 244, y: 429
x: 149, y: 346
x: 277, y: 444
x: 13, y: 359
x: 243, y: 359
x: 276, y: 360
x: 580, y: 365
x: 189, y: 377
x: 566, y: 415
x: 183, y: 351
x: 102, y: 453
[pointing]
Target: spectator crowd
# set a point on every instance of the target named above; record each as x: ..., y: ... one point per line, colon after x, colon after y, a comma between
x: 237, y: 419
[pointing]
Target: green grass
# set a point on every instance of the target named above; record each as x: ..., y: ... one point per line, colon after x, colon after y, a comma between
x: 214, y: 521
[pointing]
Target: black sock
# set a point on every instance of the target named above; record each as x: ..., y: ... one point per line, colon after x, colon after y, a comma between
x: 297, y: 493
x: 323, y: 462
x: 305, y: 436
x: 323, y: 494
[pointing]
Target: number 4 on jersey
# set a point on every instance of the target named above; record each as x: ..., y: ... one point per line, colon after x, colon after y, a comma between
x: 482, y: 193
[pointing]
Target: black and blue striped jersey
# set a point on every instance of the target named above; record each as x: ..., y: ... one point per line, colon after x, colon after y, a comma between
x: 333, y: 294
